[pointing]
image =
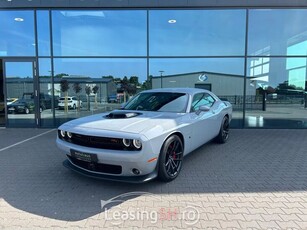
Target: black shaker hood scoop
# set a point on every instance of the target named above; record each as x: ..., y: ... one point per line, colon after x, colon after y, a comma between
x: 121, y: 115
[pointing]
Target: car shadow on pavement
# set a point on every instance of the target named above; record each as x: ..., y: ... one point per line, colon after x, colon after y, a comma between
x: 33, y: 178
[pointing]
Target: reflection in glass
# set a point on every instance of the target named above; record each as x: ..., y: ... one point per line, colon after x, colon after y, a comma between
x: 277, y: 32
x: 222, y: 76
x: 2, y: 99
x: 93, y: 82
x: 17, y: 33
x: 45, y: 95
x: 159, y: 101
x: 196, y: 32
x: 99, y: 33
x: 20, y: 93
x: 277, y: 98
x: 43, y: 32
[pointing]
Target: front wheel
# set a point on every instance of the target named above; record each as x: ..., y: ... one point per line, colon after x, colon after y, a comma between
x: 170, y: 159
x: 223, y: 135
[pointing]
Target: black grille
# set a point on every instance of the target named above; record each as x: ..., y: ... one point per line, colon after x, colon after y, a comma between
x: 97, y: 167
x: 97, y: 142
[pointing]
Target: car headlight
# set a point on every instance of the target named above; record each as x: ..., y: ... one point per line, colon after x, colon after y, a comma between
x: 132, y: 144
x: 137, y: 143
x: 63, y: 133
x: 69, y: 134
x: 126, y: 142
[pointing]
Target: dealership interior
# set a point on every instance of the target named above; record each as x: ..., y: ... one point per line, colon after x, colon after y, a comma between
x: 254, y: 57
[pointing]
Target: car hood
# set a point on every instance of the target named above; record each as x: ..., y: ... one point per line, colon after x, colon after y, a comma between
x: 140, y: 123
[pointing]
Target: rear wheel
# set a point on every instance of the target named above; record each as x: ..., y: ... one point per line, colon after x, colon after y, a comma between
x: 170, y: 160
x: 223, y: 135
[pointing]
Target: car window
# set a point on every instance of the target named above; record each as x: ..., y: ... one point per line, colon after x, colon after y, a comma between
x: 177, y: 106
x: 201, y: 99
x: 158, y: 101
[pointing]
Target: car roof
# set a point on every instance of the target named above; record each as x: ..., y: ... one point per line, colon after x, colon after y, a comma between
x: 190, y: 91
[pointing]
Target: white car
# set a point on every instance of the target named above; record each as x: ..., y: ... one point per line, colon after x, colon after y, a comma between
x: 148, y: 138
x: 72, y: 103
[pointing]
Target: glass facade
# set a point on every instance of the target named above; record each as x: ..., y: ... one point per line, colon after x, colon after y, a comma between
x: 73, y: 63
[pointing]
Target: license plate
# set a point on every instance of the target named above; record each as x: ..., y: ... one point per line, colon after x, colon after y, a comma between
x: 88, y: 157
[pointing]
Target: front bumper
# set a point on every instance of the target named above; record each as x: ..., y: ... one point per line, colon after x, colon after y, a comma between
x: 129, y: 179
x: 125, y: 160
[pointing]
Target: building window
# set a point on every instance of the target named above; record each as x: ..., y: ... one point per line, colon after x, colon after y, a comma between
x: 196, y: 32
x: 99, y: 33
x: 277, y: 30
x: 17, y: 33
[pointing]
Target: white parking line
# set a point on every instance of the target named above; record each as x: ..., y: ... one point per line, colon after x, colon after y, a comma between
x: 31, y: 138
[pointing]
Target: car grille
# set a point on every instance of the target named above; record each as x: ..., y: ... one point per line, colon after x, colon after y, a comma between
x: 98, y: 142
x: 97, y: 167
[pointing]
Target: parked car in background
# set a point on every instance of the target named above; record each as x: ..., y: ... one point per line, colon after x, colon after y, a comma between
x: 11, y: 100
x: 23, y: 105
x: 26, y: 104
x: 72, y: 103
x: 148, y: 138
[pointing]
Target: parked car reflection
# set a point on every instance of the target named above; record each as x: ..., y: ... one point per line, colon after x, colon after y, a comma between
x: 26, y: 104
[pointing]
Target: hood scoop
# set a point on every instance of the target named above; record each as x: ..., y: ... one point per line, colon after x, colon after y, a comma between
x: 121, y: 115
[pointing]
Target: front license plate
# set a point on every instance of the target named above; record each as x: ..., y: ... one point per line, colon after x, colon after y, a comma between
x: 88, y: 157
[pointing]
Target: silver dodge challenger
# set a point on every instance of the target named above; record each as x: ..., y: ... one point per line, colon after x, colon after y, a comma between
x: 148, y: 137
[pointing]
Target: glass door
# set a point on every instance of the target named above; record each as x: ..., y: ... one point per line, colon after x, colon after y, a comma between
x: 21, y: 93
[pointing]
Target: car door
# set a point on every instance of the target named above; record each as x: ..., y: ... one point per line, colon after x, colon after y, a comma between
x: 205, y: 123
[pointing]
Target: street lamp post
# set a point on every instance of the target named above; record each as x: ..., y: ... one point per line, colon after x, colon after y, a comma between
x: 161, y: 74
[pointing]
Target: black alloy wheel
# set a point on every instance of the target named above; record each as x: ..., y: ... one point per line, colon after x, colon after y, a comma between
x: 224, y: 131
x: 170, y: 160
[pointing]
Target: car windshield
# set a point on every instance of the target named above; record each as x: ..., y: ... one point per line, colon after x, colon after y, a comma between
x: 159, y: 101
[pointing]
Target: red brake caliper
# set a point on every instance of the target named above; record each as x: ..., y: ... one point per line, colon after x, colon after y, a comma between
x: 174, y: 155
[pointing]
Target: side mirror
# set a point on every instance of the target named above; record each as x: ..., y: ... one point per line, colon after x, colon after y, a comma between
x: 202, y: 108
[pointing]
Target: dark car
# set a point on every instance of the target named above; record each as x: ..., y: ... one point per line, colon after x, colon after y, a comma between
x: 21, y: 106
x: 26, y: 104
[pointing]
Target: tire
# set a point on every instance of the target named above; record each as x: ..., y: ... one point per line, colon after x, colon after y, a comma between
x: 223, y: 135
x: 27, y: 111
x: 170, y: 159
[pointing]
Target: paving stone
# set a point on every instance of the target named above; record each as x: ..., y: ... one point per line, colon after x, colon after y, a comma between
x: 239, y: 185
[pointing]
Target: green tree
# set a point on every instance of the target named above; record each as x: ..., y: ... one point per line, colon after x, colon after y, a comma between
x: 95, y: 91
x: 61, y: 75
x: 77, y: 88
x: 134, y: 80
x: 147, y: 84
x: 88, y: 91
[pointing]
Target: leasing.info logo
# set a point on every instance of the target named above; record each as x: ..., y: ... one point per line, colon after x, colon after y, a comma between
x: 155, y: 210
